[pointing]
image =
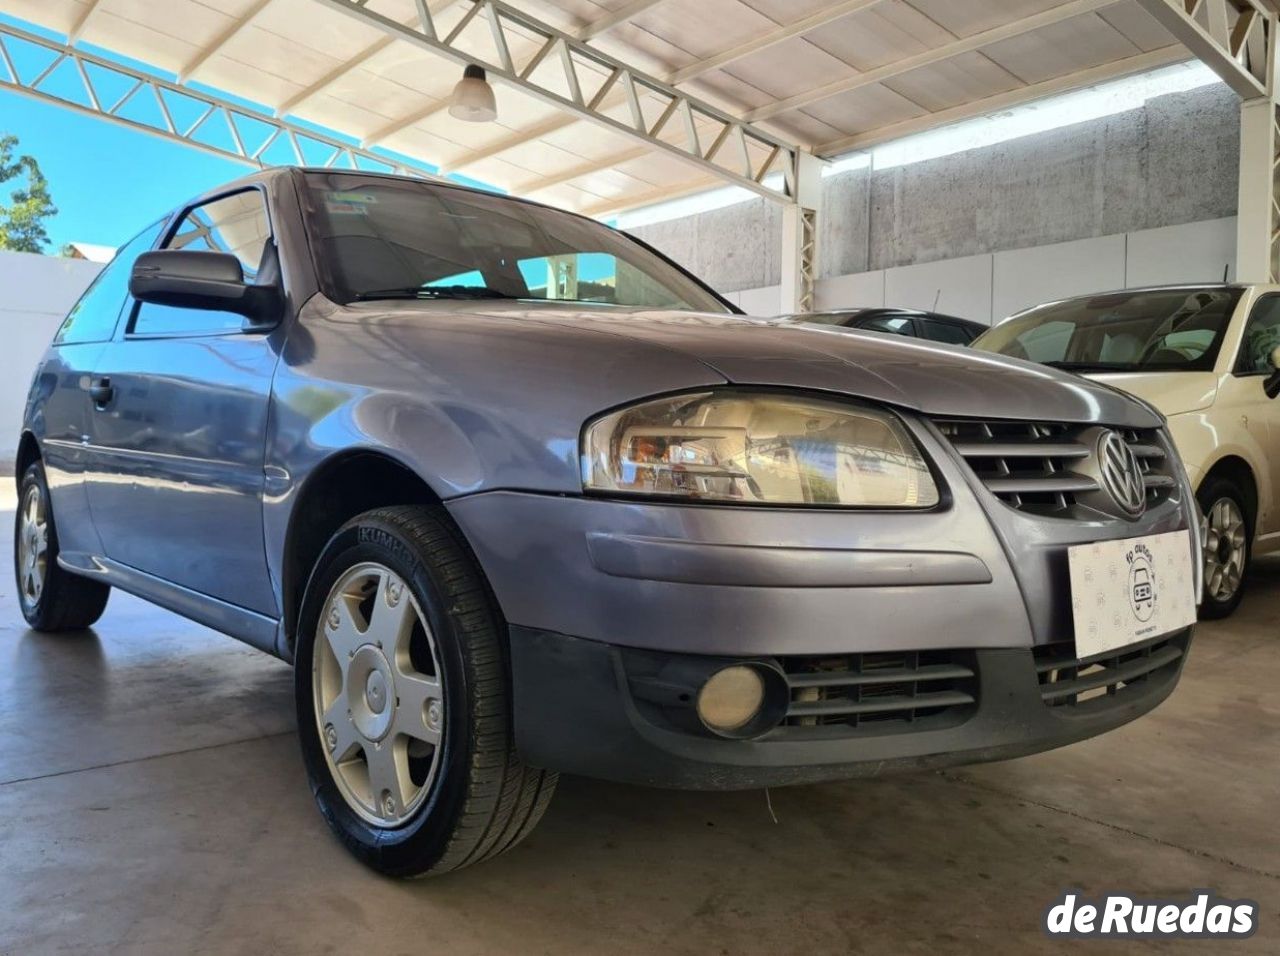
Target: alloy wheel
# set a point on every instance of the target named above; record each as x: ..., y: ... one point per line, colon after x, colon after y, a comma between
x: 33, y: 545
x: 379, y: 703
x: 1225, y: 547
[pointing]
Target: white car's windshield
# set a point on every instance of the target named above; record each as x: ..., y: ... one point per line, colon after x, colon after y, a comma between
x: 1149, y: 330
x: 380, y: 238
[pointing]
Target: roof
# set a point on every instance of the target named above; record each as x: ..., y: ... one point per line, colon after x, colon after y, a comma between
x: 828, y: 75
x: 91, y: 251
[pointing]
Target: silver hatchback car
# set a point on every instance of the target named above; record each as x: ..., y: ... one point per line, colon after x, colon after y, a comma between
x: 519, y: 496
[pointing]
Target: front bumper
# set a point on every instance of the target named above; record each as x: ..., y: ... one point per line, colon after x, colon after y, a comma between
x: 582, y: 707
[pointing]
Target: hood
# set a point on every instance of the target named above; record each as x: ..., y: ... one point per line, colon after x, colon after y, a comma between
x: 1173, y: 393
x: 911, y: 373
x: 925, y: 376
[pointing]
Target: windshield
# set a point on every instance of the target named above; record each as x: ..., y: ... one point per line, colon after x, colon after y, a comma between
x: 379, y: 238
x: 1167, y: 330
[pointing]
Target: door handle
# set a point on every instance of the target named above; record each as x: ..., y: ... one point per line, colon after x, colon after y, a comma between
x: 101, y: 391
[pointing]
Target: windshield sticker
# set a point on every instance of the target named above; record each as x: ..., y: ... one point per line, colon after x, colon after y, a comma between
x: 349, y: 203
x: 363, y: 199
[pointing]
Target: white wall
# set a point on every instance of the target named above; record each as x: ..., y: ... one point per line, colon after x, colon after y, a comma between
x: 1027, y: 277
x: 35, y: 293
x: 990, y: 287
x: 1161, y: 256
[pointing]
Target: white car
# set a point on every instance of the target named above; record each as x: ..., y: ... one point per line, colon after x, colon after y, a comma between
x: 1205, y: 356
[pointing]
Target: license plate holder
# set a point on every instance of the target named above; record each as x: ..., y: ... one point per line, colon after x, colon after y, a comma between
x: 1130, y: 590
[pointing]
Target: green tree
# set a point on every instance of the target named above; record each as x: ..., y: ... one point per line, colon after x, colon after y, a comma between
x: 22, y: 221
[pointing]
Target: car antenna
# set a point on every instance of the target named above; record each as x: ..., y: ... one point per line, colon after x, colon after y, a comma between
x: 935, y: 300
x: 1226, y: 267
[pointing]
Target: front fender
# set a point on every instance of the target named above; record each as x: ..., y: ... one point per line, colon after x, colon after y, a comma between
x: 1202, y: 443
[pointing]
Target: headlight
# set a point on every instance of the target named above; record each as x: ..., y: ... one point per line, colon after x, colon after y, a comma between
x: 764, y: 448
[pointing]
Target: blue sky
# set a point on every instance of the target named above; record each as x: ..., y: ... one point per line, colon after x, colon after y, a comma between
x: 107, y: 180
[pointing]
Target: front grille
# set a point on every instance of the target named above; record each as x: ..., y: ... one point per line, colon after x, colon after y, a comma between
x: 1044, y: 467
x: 1066, y: 682
x: 882, y: 692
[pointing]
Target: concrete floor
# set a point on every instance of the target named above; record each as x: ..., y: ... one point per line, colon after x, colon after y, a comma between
x: 152, y: 801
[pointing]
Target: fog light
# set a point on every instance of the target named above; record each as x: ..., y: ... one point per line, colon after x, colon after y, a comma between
x: 731, y: 699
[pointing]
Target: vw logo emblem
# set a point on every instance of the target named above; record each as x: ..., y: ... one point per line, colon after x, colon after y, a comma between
x: 1121, y: 474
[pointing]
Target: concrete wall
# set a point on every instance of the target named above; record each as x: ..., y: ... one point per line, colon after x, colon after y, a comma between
x: 35, y: 293
x: 1172, y: 162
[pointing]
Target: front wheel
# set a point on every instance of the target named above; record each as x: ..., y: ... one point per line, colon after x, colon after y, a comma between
x: 1228, y: 536
x: 403, y: 704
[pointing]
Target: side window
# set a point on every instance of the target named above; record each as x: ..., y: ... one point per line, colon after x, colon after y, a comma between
x: 93, y: 319
x: 945, y: 332
x: 236, y: 224
x: 902, y: 326
x: 1261, y: 336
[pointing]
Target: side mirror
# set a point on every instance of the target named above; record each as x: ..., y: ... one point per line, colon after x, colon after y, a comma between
x: 211, y: 281
x: 1272, y: 384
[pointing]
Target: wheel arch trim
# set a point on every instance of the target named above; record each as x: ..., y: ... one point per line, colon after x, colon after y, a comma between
x: 302, y: 542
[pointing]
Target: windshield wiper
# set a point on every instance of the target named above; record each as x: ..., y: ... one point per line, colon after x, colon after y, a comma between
x: 433, y: 292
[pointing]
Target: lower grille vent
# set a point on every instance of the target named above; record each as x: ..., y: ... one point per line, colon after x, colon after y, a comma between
x: 881, y: 692
x: 1065, y: 681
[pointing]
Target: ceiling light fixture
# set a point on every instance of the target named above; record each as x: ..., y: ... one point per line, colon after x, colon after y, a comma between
x: 472, y: 98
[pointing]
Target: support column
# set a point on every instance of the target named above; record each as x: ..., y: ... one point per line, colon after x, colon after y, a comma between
x: 800, y: 235
x: 1237, y: 40
x: 1258, y: 221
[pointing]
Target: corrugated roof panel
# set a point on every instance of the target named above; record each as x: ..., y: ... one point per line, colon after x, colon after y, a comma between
x: 965, y: 17
x: 962, y: 79
x: 880, y: 34
x: 786, y: 69
x: 786, y: 11
x: 589, y: 142
x: 864, y: 109
x: 1062, y: 48
x: 703, y: 28
x: 1139, y: 27
x: 800, y: 127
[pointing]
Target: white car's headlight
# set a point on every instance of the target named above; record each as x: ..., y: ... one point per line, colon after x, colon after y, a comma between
x: 758, y: 448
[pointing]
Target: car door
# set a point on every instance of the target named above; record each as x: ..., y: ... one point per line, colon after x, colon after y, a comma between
x: 1242, y: 394
x: 60, y: 392
x: 178, y: 433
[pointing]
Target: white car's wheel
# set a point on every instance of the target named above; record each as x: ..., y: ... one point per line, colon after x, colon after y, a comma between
x: 1227, y: 536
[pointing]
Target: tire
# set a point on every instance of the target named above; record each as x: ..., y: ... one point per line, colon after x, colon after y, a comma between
x: 51, y: 598
x: 475, y: 799
x: 1225, y: 508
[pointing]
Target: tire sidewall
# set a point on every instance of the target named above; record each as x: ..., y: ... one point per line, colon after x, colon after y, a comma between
x: 419, y: 843
x: 34, y: 475
x: 1210, y: 492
